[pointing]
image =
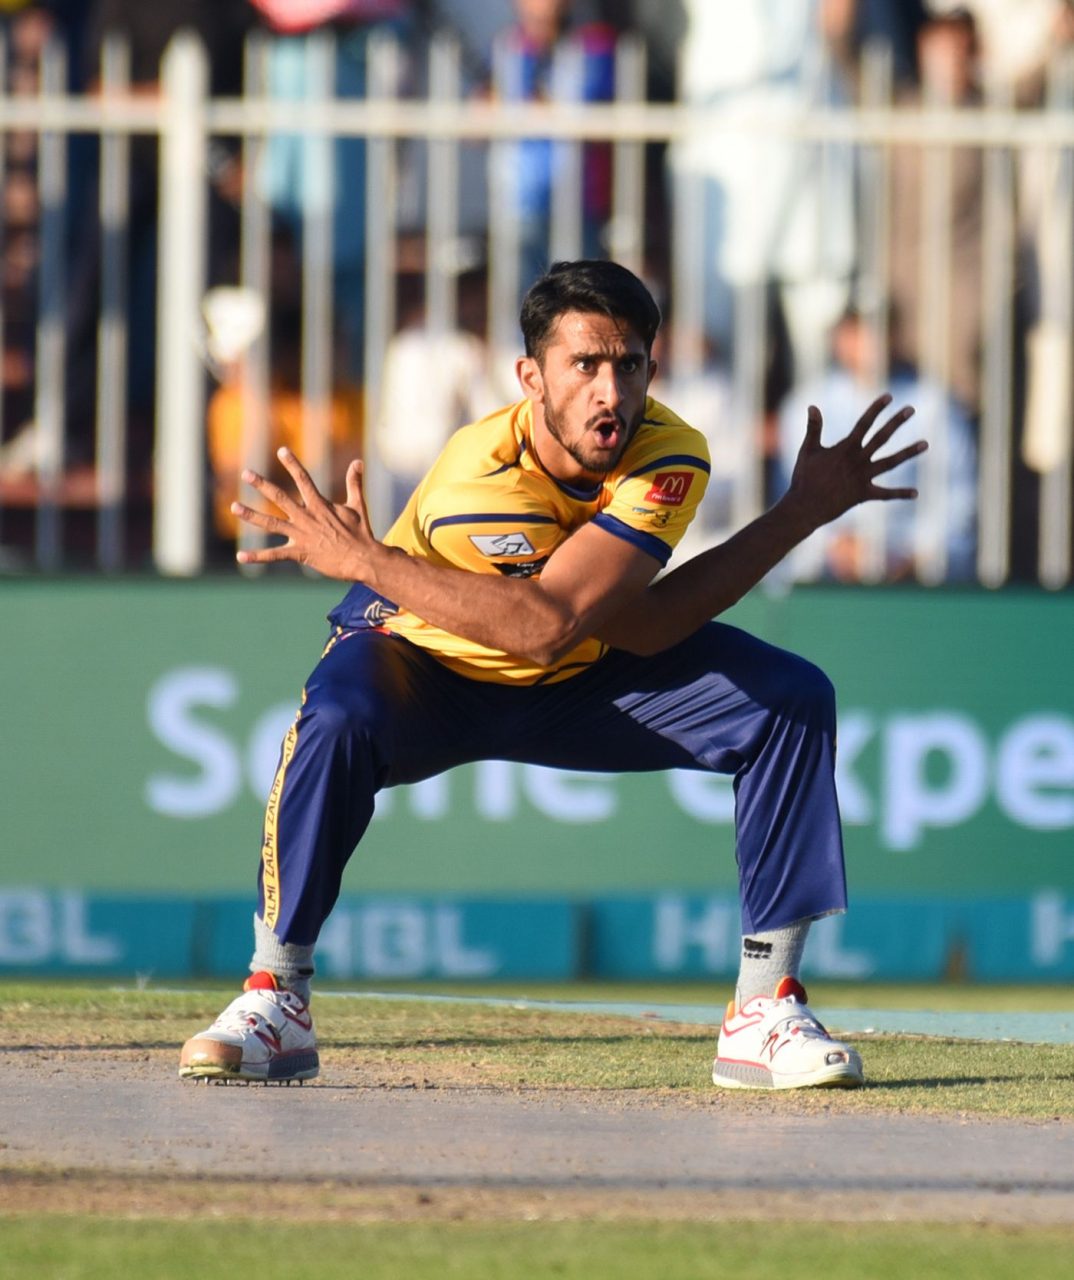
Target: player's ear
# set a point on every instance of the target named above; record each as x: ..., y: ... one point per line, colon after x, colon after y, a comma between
x: 528, y: 372
x: 653, y: 366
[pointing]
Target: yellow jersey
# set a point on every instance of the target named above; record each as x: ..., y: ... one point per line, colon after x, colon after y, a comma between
x: 488, y: 506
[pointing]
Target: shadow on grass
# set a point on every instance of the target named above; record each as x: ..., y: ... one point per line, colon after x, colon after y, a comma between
x: 958, y: 1082
x: 82, y: 1046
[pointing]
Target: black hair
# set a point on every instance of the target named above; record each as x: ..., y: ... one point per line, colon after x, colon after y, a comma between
x: 591, y: 286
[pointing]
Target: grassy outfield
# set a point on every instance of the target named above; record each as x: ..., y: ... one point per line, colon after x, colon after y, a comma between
x: 411, y: 1042
x: 961, y: 996
x: 77, y: 1249
x: 91, y: 1227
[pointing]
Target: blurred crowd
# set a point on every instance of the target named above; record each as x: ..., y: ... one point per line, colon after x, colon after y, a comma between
x: 785, y: 228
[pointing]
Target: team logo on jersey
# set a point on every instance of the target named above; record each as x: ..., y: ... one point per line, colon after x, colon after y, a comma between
x: 670, y: 488
x: 378, y: 613
x: 502, y: 544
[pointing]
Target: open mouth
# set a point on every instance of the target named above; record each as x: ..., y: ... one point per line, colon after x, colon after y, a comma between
x: 609, y: 431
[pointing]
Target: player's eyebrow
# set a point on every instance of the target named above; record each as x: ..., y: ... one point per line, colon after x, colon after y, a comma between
x: 608, y: 355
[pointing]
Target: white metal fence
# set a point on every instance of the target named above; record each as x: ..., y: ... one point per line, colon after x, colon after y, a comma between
x: 437, y: 182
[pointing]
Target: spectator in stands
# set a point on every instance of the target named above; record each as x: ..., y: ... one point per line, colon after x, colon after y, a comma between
x: 433, y: 382
x: 773, y: 210
x: 947, y: 57
x: 1021, y: 41
x: 1018, y: 39
x: 301, y: 171
x: 546, y: 54
x: 892, y: 24
x: 940, y: 528
x: 288, y: 419
x: 147, y: 29
x: 661, y: 26
x: 27, y: 27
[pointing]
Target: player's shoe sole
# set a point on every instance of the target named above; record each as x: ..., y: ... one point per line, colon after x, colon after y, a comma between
x: 748, y: 1075
x: 211, y: 1061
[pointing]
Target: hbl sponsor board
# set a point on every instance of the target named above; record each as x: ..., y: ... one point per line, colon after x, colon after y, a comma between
x: 665, y: 937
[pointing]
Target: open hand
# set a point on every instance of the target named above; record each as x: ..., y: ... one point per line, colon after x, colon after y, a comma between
x: 333, y: 538
x: 828, y: 481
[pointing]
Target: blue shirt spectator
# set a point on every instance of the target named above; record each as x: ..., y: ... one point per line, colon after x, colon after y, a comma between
x: 939, y: 528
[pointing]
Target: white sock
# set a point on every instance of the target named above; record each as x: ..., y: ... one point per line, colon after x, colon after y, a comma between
x: 291, y: 962
x: 768, y: 957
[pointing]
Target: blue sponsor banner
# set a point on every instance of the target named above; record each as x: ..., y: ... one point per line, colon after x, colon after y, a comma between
x: 65, y: 932
x: 644, y: 937
x: 890, y: 939
x: 668, y: 935
x: 1018, y: 940
x: 421, y: 938
x: 690, y: 937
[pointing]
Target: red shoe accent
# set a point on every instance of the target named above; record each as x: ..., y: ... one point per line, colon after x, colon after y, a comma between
x: 789, y: 986
x: 269, y: 1038
x: 264, y: 981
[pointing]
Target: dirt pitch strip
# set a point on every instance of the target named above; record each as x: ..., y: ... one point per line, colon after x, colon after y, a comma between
x: 115, y: 1131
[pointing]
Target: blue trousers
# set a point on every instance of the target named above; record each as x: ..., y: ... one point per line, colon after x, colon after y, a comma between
x: 378, y: 711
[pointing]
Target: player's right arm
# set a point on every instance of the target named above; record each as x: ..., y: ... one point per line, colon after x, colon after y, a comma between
x: 589, y: 577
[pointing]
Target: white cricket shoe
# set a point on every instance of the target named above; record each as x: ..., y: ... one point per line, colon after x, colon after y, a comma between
x: 776, y: 1043
x: 264, y: 1035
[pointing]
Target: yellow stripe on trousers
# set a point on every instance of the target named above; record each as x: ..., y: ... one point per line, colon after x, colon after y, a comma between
x: 270, y: 846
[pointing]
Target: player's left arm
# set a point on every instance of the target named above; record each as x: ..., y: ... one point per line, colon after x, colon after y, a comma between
x: 826, y: 483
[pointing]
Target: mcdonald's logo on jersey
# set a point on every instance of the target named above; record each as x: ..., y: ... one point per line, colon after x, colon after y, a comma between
x: 670, y: 488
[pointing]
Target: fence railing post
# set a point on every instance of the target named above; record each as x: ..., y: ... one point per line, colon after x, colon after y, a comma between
x: 179, y: 464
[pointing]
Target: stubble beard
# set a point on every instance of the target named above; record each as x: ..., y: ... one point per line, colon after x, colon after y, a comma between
x: 598, y: 465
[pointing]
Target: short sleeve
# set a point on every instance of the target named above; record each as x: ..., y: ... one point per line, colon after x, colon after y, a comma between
x: 654, y: 503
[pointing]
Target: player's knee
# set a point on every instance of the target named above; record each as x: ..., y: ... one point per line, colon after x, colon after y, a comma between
x: 806, y: 692
x: 821, y: 693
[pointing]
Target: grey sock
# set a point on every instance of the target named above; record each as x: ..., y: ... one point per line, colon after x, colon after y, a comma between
x: 767, y: 957
x: 291, y: 962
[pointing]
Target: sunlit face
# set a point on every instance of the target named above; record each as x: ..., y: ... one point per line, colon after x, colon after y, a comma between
x: 542, y: 20
x: 588, y: 394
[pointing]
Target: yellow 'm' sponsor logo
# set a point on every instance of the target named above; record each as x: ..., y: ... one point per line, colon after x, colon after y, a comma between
x: 270, y: 847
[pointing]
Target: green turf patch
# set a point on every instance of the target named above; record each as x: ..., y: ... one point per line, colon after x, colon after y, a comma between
x: 464, y: 1045
x: 100, y: 1249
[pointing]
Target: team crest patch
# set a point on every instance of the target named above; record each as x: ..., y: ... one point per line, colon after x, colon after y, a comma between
x: 378, y: 613
x: 670, y: 488
x: 502, y: 544
x: 658, y: 519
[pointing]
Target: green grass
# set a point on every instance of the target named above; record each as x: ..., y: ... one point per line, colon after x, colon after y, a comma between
x: 89, y: 1227
x: 1053, y: 997
x: 40, y: 1248
x: 447, y: 1044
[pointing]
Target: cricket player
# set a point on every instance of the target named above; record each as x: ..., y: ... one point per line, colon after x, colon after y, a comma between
x: 514, y: 612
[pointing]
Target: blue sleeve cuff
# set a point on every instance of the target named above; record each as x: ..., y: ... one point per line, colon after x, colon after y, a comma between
x: 647, y: 542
